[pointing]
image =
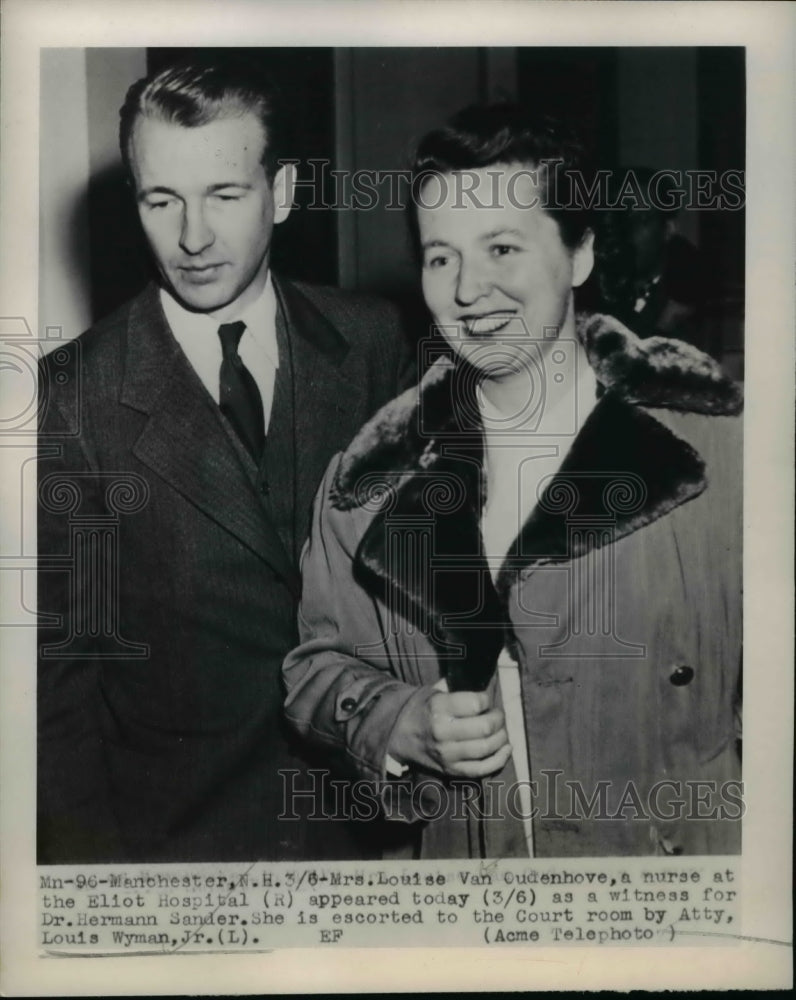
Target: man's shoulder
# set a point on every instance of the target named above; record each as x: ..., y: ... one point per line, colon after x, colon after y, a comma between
x: 347, y: 306
x: 91, y: 367
x: 100, y: 343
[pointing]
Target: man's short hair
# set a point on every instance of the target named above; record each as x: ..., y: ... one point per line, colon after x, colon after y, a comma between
x: 198, y: 92
x: 499, y: 134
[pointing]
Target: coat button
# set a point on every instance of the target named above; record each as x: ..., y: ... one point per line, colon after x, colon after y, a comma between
x: 348, y: 704
x: 681, y: 675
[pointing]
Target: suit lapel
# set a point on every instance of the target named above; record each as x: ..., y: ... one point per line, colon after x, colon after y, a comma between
x: 324, y: 399
x: 184, y: 440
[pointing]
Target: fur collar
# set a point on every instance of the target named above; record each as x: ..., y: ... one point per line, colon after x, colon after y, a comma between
x: 418, y: 463
x: 658, y: 372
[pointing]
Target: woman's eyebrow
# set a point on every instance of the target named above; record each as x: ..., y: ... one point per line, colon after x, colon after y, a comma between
x: 507, y: 231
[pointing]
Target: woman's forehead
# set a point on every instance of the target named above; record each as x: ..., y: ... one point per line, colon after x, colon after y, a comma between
x: 481, y: 201
x: 513, y: 185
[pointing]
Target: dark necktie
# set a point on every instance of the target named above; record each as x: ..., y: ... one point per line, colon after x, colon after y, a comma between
x: 239, y: 397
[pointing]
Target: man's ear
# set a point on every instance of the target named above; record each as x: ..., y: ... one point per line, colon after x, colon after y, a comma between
x: 282, y: 188
x: 583, y: 259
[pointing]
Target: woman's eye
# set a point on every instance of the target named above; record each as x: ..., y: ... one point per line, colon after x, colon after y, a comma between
x: 502, y: 249
x: 438, y: 261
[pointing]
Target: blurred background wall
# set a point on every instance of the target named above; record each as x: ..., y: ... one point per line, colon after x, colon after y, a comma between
x: 363, y: 109
x: 81, y: 92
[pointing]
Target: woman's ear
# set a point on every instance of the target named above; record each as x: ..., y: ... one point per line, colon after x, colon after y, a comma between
x: 583, y: 259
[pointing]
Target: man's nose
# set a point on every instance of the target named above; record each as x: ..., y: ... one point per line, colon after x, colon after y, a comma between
x: 196, y: 234
x: 471, y: 284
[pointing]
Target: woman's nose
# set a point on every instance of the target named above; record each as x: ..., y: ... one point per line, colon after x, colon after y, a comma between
x: 472, y: 283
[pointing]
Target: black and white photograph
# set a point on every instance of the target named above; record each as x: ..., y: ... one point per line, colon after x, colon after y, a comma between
x: 530, y: 517
x: 391, y: 518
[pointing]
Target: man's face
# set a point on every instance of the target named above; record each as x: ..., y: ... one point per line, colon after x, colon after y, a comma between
x: 207, y: 208
x: 496, y: 273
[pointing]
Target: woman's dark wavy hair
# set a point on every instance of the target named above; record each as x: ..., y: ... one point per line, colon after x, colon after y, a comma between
x: 199, y: 91
x: 486, y: 135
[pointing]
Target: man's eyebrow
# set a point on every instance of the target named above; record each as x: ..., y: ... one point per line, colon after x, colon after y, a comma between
x: 158, y: 189
x: 243, y: 185
x: 162, y: 189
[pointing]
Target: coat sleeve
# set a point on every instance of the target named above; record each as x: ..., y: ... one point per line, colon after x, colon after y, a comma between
x: 75, y: 819
x: 339, y: 694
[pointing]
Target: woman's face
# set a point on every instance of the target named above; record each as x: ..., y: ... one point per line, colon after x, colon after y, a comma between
x: 496, y: 273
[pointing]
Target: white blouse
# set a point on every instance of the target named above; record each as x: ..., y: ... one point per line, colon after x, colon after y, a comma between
x: 520, y: 456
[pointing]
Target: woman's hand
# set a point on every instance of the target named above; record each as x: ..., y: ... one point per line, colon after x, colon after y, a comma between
x: 460, y: 734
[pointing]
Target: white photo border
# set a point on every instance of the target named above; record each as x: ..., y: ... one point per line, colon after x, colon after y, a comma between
x: 766, y: 30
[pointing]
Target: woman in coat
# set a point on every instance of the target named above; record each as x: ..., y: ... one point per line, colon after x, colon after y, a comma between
x: 521, y: 614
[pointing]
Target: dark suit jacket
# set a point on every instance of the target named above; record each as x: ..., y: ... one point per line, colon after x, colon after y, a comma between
x: 169, y: 578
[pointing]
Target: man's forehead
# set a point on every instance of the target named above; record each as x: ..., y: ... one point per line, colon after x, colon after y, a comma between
x: 224, y: 133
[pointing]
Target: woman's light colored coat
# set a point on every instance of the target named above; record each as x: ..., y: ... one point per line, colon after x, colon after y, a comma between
x: 620, y: 600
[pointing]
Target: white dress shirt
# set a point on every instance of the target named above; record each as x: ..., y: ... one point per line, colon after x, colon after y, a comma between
x: 197, y: 335
x: 517, y: 460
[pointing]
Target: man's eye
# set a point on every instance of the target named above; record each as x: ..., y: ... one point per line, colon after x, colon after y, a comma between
x: 229, y: 197
x: 161, y: 203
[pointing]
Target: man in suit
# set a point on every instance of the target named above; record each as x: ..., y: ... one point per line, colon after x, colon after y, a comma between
x: 182, y: 442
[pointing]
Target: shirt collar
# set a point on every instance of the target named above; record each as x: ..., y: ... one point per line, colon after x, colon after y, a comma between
x: 259, y: 317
